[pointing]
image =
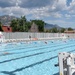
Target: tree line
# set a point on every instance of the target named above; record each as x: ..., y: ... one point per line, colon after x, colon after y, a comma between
x: 22, y: 25
x: 61, y: 30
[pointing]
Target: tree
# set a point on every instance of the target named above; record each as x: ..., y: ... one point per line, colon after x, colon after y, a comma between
x: 28, y: 24
x: 1, y: 27
x: 69, y: 29
x: 22, y: 23
x: 54, y: 30
x: 19, y: 24
x: 14, y: 25
x: 62, y: 30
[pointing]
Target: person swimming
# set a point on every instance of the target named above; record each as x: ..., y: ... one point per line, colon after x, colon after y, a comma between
x: 45, y: 42
x: 51, y: 41
x: 5, y: 53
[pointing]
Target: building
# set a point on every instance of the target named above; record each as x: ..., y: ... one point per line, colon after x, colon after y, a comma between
x: 34, y: 28
x: 7, y: 29
x: 72, y: 31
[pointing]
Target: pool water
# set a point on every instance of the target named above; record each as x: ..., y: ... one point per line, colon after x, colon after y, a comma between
x: 33, y: 58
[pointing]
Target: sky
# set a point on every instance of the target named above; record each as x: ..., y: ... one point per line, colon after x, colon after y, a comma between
x: 60, y: 12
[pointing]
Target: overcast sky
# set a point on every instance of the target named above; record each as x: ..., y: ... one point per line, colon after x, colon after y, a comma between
x: 61, y: 12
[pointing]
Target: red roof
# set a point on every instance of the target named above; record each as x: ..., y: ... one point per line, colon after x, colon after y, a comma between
x: 7, y: 28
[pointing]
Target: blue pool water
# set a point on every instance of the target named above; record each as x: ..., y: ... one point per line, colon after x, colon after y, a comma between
x: 33, y: 58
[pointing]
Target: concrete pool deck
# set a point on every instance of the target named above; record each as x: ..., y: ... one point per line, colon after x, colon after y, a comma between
x: 33, y: 39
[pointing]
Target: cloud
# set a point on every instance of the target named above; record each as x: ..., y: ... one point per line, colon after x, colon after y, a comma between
x: 67, y: 16
x: 71, y: 8
x: 7, y: 3
x: 35, y: 3
x: 61, y: 4
x: 41, y: 9
x: 26, y: 3
x: 16, y: 11
x: 37, y: 8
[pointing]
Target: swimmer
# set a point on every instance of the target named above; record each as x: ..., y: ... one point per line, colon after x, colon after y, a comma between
x: 35, y: 42
x: 65, y: 41
x: 5, y: 53
x: 45, y: 42
x: 51, y: 41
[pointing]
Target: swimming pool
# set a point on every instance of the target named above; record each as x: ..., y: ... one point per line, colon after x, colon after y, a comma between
x: 33, y: 58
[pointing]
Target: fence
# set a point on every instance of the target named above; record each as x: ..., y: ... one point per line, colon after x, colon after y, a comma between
x: 23, y: 35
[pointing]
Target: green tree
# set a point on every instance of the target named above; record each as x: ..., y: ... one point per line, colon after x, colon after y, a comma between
x: 62, y: 30
x: 69, y: 29
x: 14, y: 25
x: 28, y: 24
x: 1, y: 27
x: 22, y: 25
x: 54, y: 30
x: 19, y: 24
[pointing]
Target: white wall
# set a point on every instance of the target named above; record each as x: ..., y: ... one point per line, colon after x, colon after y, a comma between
x: 23, y: 35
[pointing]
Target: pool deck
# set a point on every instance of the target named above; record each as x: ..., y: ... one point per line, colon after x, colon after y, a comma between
x: 33, y: 39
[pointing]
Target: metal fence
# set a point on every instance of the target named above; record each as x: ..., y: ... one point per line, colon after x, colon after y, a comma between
x: 23, y: 35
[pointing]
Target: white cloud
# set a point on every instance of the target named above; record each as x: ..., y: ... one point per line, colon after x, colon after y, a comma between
x: 36, y: 12
x: 51, y: 9
x: 57, y: 15
x: 67, y: 16
x: 71, y: 8
x: 40, y: 9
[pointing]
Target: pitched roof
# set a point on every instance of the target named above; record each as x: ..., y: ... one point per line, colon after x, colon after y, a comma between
x: 34, y: 28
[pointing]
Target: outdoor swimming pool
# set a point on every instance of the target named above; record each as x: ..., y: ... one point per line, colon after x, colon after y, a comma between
x: 33, y: 58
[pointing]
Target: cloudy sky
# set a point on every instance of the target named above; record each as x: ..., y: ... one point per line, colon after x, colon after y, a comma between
x: 61, y: 12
